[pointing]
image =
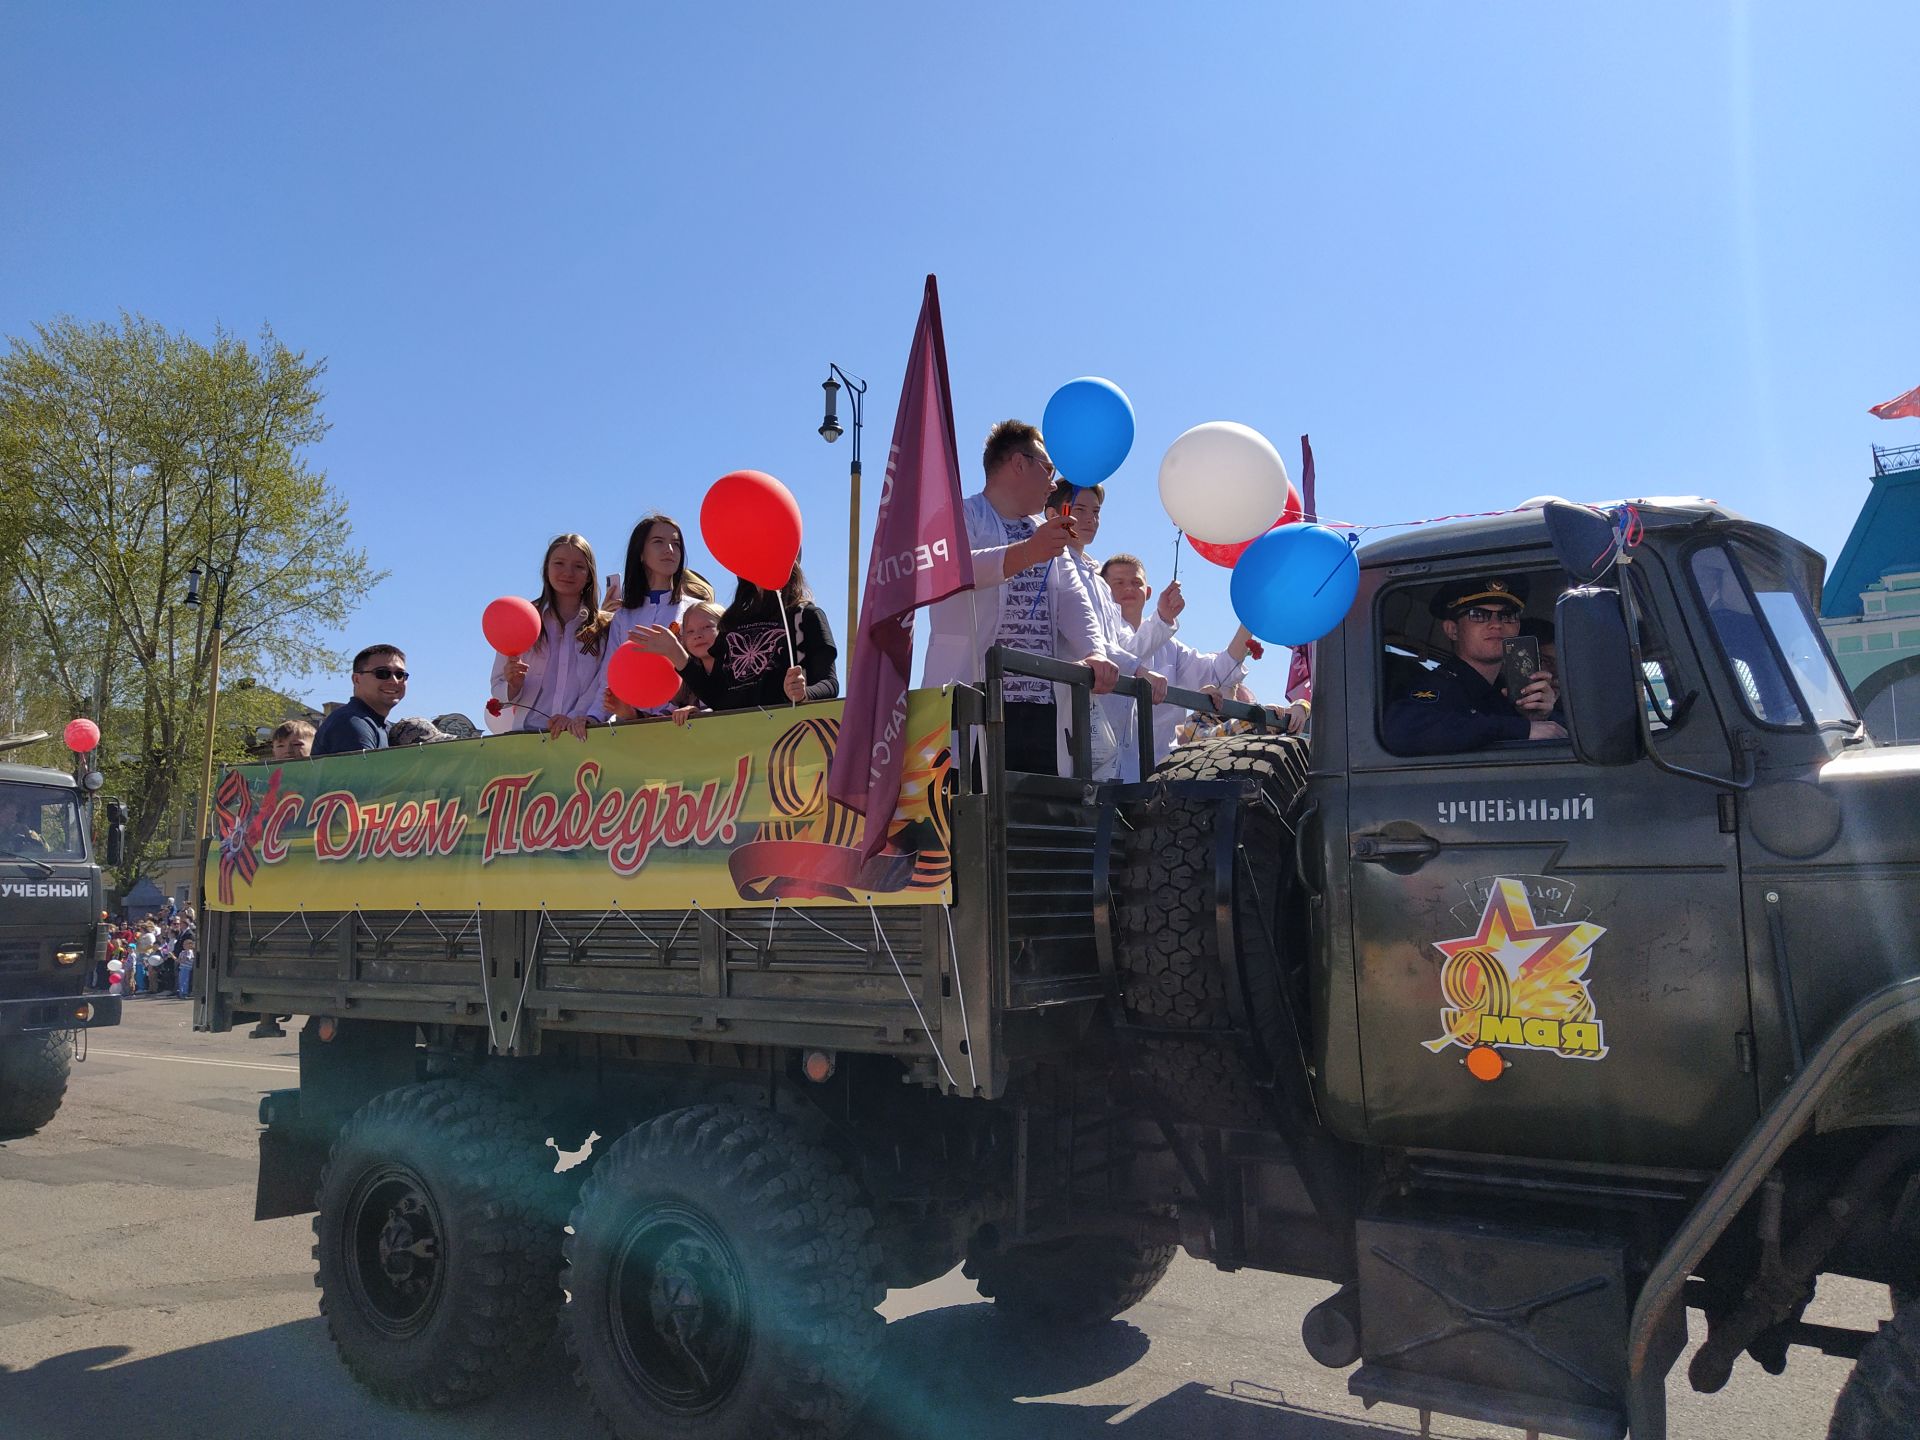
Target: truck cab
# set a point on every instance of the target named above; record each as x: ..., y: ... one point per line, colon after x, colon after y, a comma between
x: 52, y: 937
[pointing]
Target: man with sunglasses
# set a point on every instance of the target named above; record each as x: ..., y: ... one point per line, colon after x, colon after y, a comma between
x: 379, y: 684
x: 1463, y: 704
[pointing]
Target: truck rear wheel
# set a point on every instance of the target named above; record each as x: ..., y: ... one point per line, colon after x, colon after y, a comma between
x: 1080, y: 1281
x: 33, y: 1080
x: 1174, y: 975
x: 1881, y: 1399
x: 438, y: 1242
x: 721, y: 1282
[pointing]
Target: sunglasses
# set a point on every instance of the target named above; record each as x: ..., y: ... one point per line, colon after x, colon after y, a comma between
x: 1042, y: 462
x: 384, y: 672
x: 1481, y: 615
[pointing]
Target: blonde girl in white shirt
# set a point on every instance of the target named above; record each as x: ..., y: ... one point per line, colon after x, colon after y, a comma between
x: 557, y: 685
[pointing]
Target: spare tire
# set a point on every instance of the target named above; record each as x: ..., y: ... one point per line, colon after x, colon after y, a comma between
x: 1174, y: 975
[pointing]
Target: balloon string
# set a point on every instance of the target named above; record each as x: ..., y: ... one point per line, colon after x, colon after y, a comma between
x: 1033, y: 609
x: 1041, y: 593
x: 1353, y: 543
x: 788, y: 632
x: 1178, y: 536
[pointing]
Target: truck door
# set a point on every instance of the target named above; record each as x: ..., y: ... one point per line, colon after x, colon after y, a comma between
x: 1549, y: 956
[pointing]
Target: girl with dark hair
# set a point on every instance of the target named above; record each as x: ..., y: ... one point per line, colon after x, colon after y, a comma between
x: 660, y: 588
x: 752, y: 662
x: 659, y: 585
x: 556, y: 685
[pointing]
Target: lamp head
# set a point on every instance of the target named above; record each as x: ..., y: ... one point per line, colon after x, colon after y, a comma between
x: 830, y: 430
x: 193, y: 586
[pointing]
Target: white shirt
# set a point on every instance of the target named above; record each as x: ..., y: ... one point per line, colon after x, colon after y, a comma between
x: 1115, y: 754
x: 560, y: 680
x: 658, y: 608
x: 1188, y: 669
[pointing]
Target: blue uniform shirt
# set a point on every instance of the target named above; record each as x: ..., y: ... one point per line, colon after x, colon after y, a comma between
x: 1450, y: 709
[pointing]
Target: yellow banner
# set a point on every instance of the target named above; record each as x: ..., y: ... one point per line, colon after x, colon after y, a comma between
x: 730, y: 810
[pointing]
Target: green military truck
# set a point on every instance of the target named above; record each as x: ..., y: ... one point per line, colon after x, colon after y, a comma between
x: 51, y: 934
x: 1526, y: 1050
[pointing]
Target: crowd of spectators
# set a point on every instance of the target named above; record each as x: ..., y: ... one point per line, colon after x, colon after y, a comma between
x: 154, y: 956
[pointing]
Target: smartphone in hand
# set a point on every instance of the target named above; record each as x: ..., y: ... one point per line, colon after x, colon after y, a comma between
x: 1519, y: 661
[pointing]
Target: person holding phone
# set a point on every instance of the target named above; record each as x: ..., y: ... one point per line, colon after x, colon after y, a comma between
x: 1495, y: 686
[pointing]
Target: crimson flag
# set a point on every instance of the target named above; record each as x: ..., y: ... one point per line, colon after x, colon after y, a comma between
x: 920, y: 554
x: 1901, y: 407
x: 1300, y: 668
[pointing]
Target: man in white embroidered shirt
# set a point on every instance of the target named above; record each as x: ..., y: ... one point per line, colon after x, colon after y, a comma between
x: 1021, y: 599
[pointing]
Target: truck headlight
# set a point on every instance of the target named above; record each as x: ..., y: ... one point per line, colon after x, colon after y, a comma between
x: 66, y: 957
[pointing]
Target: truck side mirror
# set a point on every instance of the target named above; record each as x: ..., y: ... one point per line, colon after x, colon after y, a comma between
x: 1582, y: 539
x: 1602, y: 693
x: 116, y: 832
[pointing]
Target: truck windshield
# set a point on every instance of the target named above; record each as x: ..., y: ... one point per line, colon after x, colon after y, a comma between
x: 1763, y: 625
x: 40, y: 822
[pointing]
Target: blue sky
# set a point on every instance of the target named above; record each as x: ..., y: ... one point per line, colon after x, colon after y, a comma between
x: 569, y: 263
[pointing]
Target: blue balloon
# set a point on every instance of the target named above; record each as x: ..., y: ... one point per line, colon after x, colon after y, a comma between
x: 1295, y: 584
x: 1089, y: 429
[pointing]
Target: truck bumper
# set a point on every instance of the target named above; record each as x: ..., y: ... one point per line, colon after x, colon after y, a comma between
x: 58, y: 1012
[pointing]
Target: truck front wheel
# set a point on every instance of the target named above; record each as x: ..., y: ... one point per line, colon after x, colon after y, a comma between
x: 721, y: 1282
x: 438, y: 1243
x: 1881, y: 1399
x: 1080, y: 1281
x: 33, y: 1080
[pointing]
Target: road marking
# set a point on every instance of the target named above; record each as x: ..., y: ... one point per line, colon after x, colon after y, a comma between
x: 186, y: 1060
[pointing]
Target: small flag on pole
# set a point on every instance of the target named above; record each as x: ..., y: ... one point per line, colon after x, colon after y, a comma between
x: 920, y: 554
x: 1901, y: 407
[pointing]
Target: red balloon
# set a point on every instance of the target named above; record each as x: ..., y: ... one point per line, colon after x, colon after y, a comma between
x: 81, y: 735
x: 751, y: 524
x: 641, y: 678
x: 511, y: 625
x: 1229, y: 555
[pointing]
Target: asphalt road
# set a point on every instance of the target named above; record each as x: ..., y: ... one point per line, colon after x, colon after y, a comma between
x: 138, y: 1299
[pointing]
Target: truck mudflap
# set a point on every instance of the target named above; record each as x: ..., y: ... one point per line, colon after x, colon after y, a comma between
x: 1834, y: 1088
x: 293, y: 1154
x: 58, y: 1012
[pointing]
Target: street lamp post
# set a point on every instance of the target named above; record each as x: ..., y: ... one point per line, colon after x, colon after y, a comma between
x: 218, y: 579
x: 830, y: 431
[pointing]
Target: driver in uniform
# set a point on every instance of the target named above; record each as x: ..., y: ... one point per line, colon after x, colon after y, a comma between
x: 18, y: 834
x: 1463, y: 703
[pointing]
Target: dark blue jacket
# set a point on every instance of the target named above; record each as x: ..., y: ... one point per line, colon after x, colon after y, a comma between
x: 1448, y: 710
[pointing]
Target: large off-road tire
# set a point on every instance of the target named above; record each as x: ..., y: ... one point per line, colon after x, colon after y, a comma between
x: 1173, y: 974
x: 1881, y: 1399
x: 1076, y: 1282
x: 33, y: 1080
x: 438, y: 1242
x: 721, y: 1282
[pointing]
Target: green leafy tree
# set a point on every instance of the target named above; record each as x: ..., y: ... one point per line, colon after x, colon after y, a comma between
x: 128, y: 456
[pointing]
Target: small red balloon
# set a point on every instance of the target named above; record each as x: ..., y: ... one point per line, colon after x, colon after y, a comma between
x: 81, y: 735
x: 641, y: 678
x: 511, y: 625
x: 751, y: 524
x: 1229, y: 555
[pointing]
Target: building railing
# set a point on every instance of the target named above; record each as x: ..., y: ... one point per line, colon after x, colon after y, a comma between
x: 1888, y: 460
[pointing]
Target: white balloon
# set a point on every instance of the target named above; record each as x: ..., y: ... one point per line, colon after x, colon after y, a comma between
x: 1223, y: 482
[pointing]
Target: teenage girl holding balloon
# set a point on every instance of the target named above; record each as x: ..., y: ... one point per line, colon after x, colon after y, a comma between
x: 556, y: 684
